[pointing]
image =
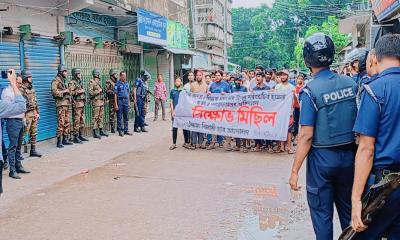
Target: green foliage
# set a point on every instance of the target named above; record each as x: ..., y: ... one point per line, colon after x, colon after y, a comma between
x: 268, y: 36
x: 329, y: 27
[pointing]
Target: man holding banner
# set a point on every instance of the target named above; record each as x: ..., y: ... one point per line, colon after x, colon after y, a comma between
x: 221, y: 87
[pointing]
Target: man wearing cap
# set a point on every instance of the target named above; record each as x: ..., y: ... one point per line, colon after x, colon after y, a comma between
x: 78, y: 105
x: 61, y: 94
x: 97, y: 97
x: 110, y: 84
x: 32, y: 111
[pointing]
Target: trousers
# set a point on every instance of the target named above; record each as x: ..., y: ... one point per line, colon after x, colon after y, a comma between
x: 15, y: 132
x: 123, y: 115
x: 98, y: 117
x: 197, y: 138
x: 31, y: 126
x: 329, y: 182
x: 140, y: 113
x: 63, y: 124
x: 157, y: 103
x: 79, y: 121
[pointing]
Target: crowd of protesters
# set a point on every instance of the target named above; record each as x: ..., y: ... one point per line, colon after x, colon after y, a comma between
x: 260, y: 79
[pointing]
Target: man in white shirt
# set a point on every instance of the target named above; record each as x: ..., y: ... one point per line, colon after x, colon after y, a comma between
x: 15, y: 130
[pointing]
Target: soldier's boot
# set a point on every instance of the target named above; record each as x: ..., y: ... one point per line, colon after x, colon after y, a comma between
x: 82, y: 138
x: 20, y: 168
x: 102, y: 133
x: 76, y: 139
x: 143, y: 129
x: 59, y: 143
x: 95, y: 134
x: 112, y: 127
x: 33, y: 152
x: 65, y: 141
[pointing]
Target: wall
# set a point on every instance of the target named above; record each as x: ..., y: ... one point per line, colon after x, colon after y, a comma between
x: 16, y: 16
x: 157, y: 6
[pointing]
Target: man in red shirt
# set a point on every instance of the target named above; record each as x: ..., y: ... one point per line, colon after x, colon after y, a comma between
x: 296, y: 104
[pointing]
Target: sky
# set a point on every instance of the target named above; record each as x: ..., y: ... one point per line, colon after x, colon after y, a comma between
x: 250, y: 3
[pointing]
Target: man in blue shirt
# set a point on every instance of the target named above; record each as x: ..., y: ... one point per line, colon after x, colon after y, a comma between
x: 219, y: 85
x: 140, y: 93
x: 379, y: 150
x: 222, y: 87
x: 328, y: 112
x: 121, y: 101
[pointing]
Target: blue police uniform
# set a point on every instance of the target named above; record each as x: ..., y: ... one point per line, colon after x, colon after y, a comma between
x: 328, y: 104
x: 141, y: 94
x: 379, y: 117
x: 123, y: 91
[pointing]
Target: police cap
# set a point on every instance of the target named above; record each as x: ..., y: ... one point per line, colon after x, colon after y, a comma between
x: 318, y: 50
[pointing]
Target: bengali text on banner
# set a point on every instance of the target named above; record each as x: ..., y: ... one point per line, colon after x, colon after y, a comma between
x: 253, y: 115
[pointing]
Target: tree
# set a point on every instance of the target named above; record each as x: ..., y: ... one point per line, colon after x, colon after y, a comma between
x: 268, y: 36
x: 329, y: 27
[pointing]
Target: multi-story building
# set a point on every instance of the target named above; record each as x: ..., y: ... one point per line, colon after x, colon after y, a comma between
x: 208, y: 29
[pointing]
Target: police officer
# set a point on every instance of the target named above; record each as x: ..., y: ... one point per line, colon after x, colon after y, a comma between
x: 122, y: 93
x: 378, y: 153
x: 97, y: 96
x: 328, y: 112
x: 62, y: 97
x: 110, y: 85
x: 78, y: 105
x: 140, y: 97
x: 357, y: 58
x: 32, y: 111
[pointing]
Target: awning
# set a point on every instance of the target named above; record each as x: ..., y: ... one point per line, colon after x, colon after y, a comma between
x: 181, y: 51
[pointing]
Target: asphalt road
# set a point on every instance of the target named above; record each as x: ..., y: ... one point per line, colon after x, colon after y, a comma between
x: 136, y: 188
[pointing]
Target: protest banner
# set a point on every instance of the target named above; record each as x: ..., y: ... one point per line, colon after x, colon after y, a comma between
x: 252, y: 115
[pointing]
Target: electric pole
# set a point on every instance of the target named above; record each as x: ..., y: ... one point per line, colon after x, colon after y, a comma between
x: 226, y: 36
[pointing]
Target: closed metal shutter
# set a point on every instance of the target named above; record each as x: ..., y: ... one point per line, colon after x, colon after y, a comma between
x: 85, y: 57
x: 9, y: 58
x: 150, y: 65
x: 42, y: 57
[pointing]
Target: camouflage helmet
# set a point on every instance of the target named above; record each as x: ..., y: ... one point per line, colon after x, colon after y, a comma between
x: 76, y: 71
x: 25, y: 74
x: 113, y: 71
x: 96, y: 72
x: 145, y: 75
x: 62, y: 68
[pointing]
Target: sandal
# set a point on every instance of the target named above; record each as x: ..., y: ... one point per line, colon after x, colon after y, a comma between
x: 172, y: 147
x: 291, y: 151
x: 245, y: 150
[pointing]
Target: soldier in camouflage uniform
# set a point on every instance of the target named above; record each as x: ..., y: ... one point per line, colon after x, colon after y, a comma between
x: 62, y: 96
x: 97, y: 96
x: 32, y: 111
x: 110, y: 83
x: 78, y: 105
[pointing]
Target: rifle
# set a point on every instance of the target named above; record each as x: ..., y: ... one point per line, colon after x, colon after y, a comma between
x: 374, y: 201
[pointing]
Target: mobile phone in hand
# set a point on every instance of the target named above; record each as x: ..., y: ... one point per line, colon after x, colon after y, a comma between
x: 4, y: 74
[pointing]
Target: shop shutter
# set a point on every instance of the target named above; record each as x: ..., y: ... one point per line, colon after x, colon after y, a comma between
x: 42, y: 57
x: 85, y: 57
x: 9, y: 58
